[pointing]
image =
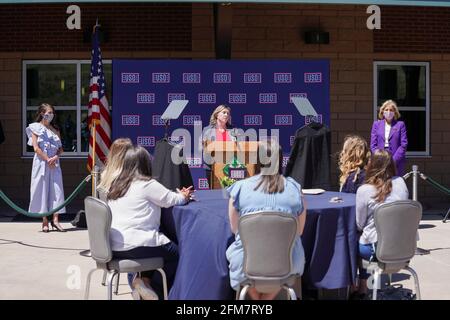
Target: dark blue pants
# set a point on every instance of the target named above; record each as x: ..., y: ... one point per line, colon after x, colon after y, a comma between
x: 169, y: 252
x: 366, y: 252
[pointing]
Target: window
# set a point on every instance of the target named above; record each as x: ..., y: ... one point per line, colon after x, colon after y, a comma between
x: 65, y: 85
x: 408, y: 84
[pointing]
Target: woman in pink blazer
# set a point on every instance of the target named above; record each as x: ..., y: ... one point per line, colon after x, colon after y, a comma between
x: 390, y: 134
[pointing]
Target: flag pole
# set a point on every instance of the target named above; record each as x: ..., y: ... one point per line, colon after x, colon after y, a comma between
x: 94, y: 142
x: 93, y: 169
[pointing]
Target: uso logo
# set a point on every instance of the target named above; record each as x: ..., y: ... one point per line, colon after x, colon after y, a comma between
x: 282, y: 77
x: 129, y: 77
x: 237, y: 98
x: 203, y: 184
x: 313, y: 77
x: 130, y: 119
x: 175, y: 96
x: 309, y: 119
x: 222, y: 77
x: 268, y: 98
x: 145, y: 98
x: 194, y: 162
x: 297, y: 95
x: 177, y: 140
x: 146, y: 141
x: 191, y: 77
x: 206, y: 98
x: 291, y: 140
x: 157, y: 121
x: 252, y: 77
x: 283, y: 119
x: 252, y: 120
x: 285, y: 162
x: 190, y: 119
x: 161, y: 77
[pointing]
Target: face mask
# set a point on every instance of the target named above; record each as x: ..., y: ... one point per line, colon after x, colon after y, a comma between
x: 389, y: 115
x: 48, y: 117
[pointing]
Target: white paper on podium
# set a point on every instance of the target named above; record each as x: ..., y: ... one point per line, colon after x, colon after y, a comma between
x: 304, y: 106
x: 174, y: 109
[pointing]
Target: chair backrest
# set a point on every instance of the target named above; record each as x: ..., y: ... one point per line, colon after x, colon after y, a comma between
x: 397, y: 224
x: 268, y: 240
x: 98, y: 219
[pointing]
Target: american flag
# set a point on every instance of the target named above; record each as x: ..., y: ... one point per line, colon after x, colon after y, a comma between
x: 98, y: 110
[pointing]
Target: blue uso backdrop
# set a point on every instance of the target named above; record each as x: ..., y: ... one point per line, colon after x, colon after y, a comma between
x: 258, y: 92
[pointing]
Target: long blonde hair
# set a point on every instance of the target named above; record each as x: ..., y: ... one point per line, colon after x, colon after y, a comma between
x: 114, y: 162
x: 353, y: 157
x: 380, y: 170
x: 386, y: 104
x: 213, y: 119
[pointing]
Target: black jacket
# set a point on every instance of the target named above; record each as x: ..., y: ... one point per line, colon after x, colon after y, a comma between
x: 167, y: 173
x: 309, y: 162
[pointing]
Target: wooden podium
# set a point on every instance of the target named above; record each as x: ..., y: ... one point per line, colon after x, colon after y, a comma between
x: 223, y: 152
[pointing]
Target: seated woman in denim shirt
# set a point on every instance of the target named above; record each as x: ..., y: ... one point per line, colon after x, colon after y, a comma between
x: 352, y: 160
x: 268, y: 190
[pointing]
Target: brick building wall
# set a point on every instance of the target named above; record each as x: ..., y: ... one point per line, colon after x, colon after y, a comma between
x: 260, y: 31
x: 130, y: 27
x: 414, y: 29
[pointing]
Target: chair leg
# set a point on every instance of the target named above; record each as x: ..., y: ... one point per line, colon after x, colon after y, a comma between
x: 376, y: 284
x: 109, y: 283
x: 243, y: 292
x: 88, y: 283
x: 105, y: 273
x: 416, y: 282
x: 389, y: 279
x: 291, y: 293
x: 298, y: 287
x: 237, y: 294
x: 116, y: 292
x: 164, y: 281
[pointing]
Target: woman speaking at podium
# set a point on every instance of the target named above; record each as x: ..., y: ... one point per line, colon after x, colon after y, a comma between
x: 219, y: 129
x: 219, y: 125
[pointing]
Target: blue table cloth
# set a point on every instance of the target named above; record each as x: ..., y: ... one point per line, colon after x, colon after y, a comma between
x: 203, y: 234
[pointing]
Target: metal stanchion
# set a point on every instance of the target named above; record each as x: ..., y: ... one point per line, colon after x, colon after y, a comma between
x: 95, y: 173
x: 416, y: 174
x: 415, y: 180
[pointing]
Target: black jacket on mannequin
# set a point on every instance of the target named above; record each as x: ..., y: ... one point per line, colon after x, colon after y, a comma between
x: 309, y: 162
x: 169, y: 174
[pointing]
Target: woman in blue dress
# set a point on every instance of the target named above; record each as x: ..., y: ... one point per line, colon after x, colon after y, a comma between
x: 267, y: 191
x: 46, y: 189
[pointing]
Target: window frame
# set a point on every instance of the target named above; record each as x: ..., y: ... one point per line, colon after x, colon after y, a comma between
x: 426, y: 108
x: 78, y: 108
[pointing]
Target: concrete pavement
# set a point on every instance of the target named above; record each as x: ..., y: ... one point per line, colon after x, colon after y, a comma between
x: 36, y: 265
